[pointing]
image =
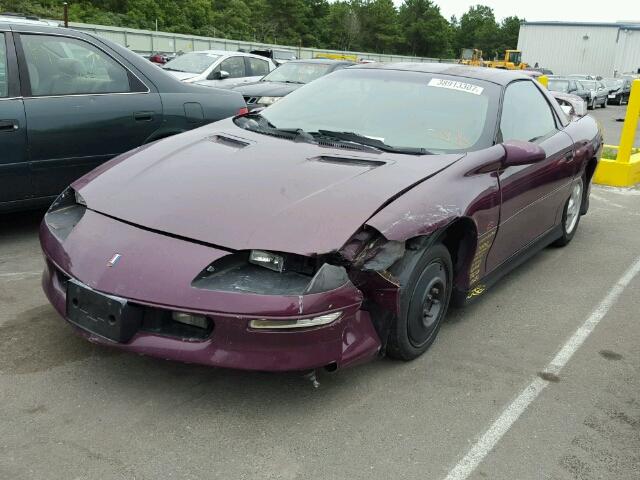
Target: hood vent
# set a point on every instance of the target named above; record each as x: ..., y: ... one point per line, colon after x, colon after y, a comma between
x: 355, y: 162
x: 228, y: 141
x: 343, y: 146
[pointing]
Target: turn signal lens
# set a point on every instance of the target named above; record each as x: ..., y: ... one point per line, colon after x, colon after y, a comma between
x: 298, y: 323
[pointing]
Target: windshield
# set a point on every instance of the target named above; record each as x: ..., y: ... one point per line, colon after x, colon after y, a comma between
x: 194, y: 62
x: 283, y: 55
x: 438, y: 113
x: 298, y: 72
x: 559, y: 85
x: 515, y: 57
x: 613, y: 82
x: 588, y: 84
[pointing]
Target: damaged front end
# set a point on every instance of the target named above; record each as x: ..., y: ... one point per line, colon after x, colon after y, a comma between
x: 367, y: 263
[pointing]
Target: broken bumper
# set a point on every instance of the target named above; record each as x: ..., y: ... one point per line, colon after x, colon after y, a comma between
x: 154, y: 275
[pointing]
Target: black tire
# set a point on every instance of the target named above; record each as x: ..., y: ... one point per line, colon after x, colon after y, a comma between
x: 604, y: 104
x: 424, y: 300
x: 570, y: 228
x: 591, y: 106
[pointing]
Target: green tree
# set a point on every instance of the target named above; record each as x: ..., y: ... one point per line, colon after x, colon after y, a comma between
x: 379, y: 25
x: 426, y: 32
x: 508, y: 33
x: 478, y: 29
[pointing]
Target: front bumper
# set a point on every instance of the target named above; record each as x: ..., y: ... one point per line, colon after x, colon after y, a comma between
x: 155, y: 273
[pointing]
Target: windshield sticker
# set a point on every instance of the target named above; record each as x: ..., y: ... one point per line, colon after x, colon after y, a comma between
x: 453, y: 85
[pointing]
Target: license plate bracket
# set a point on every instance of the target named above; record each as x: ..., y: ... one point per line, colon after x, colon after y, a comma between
x: 109, y: 316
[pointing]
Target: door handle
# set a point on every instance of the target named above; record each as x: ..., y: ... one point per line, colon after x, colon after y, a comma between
x: 143, y: 116
x: 8, y: 125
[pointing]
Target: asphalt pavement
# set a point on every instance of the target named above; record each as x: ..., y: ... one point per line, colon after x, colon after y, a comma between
x: 610, y: 121
x: 73, y: 410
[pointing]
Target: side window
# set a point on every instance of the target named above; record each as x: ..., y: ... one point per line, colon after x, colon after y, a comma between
x: 4, y: 78
x: 258, y: 67
x: 235, y: 67
x: 526, y: 115
x: 67, y: 66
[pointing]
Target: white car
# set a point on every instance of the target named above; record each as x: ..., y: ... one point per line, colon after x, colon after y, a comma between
x: 219, y: 68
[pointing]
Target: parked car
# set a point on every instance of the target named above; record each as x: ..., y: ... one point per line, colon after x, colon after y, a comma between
x: 161, y: 58
x: 334, y: 225
x: 219, y: 68
x: 285, y: 79
x: 278, y: 56
x: 619, y: 90
x: 598, y: 93
x: 569, y: 86
x: 572, y: 105
x: 70, y: 101
x: 581, y: 77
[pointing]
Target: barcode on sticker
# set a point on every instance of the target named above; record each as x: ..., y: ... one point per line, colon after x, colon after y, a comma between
x: 453, y: 85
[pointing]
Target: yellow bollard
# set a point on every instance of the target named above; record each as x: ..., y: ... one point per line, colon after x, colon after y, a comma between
x: 624, y: 170
x: 630, y: 124
x: 544, y: 80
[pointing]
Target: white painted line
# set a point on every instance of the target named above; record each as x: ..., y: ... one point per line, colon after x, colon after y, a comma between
x: 512, y: 412
x: 604, y: 200
x: 19, y: 274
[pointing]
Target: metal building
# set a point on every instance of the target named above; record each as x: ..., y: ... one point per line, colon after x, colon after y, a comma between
x: 582, y: 47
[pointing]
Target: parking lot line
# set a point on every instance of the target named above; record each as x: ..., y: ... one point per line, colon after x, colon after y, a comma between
x: 512, y: 412
x: 19, y: 274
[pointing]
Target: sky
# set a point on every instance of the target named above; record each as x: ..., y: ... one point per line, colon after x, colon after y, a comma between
x: 563, y: 10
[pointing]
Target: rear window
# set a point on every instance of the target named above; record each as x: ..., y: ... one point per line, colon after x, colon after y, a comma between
x: 439, y: 113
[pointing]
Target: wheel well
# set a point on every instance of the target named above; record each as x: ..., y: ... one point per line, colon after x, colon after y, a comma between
x: 590, y: 169
x: 460, y: 238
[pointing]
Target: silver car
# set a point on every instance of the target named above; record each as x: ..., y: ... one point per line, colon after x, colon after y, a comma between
x: 219, y: 68
x: 598, y: 93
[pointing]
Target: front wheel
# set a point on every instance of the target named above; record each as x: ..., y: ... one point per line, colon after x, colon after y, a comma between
x: 604, y: 104
x: 591, y: 105
x: 571, y: 213
x: 424, y: 300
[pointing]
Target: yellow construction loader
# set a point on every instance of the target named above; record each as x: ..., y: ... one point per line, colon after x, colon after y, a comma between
x: 471, y: 56
x: 512, y: 61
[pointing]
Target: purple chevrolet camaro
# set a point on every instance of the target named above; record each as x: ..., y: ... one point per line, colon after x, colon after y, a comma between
x: 336, y: 225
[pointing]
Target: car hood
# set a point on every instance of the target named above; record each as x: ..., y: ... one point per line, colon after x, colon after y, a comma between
x: 181, y: 75
x: 267, y: 89
x: 236, y: 189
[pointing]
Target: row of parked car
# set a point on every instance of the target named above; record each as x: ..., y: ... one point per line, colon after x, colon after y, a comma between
x: 595, y: 91
x: 70, y: 101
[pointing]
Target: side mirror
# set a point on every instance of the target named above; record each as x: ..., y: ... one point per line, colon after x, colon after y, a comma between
x: 568, y: 109
x: 218, y: 75
x: 522, y: 153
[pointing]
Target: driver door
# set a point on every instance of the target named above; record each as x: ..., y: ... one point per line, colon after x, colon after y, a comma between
x: 532, y: 195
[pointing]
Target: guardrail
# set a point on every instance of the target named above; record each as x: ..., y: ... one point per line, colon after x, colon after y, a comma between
x: 147, y: 42
x: 624, y: 170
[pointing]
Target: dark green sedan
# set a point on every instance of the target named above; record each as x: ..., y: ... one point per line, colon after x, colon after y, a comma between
x: 69, y: 101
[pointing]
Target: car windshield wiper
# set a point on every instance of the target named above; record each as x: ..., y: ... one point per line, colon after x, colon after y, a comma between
x: 372, y: 142
x: 257, y: 123
x: 173, y: 69
x: 293, y: 81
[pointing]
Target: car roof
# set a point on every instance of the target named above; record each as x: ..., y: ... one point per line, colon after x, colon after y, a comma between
x: 227, y: 52
x: 495, y: 75
x: 329, y: 61
x: 11, y: 19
